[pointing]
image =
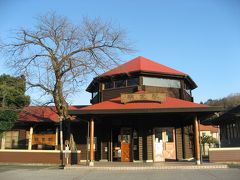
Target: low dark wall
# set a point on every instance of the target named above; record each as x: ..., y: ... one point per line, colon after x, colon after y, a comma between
x: 43, y: 157
x: 224, y: 155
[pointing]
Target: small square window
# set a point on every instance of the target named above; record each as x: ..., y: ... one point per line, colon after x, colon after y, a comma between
x: 120, y: 83
x: 108, y: 85
x: 133, y: 82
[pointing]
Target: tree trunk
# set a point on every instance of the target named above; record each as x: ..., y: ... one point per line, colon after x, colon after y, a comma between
x: 62, y: 110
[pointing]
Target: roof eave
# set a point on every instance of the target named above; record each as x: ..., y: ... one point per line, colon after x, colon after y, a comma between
x: 189, y: 79
x: 91, y: 85
x: 146, y: 111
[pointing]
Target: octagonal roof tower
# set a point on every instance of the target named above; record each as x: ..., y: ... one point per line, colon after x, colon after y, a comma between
x: 142, y: 65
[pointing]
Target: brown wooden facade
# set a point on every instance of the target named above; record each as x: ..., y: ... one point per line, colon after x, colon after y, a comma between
x: 229, y: 123
x: 103, y: 94
x: 143, y: 125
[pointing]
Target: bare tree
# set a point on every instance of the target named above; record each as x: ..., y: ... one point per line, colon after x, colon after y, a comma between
x: 56, y: 55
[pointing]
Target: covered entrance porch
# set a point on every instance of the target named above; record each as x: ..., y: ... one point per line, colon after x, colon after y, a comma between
x: 141, y: 138
x: 149, y: 127
x: 144, y: 135
x: 132, y: 144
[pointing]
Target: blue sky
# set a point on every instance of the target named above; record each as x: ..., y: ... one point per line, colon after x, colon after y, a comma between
x: 200, y: 38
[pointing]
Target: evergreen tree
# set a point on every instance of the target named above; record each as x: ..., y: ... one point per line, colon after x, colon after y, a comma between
x: 12, y: 100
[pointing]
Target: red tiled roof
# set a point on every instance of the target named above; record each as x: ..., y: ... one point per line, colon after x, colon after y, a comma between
x: 39, y: 114
x: 142, y: 64
x: 210, y: 128
x: 115, y: 104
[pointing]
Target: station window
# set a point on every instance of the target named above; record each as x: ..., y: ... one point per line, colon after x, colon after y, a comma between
x: 109, y: 85
x: 133, y: 82
x: 161, y: 82
x: 120, y: 83
x: 169, y: 132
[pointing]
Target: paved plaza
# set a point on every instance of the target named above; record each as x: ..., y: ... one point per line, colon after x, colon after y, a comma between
x: 21, y: 172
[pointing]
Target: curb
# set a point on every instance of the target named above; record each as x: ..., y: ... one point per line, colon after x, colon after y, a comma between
x: 149, y: 168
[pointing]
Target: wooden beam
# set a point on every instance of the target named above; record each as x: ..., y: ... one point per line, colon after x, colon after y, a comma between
x: 197, y: 141
x: 30, y: 139
x: 3, y: 140
x: 61, y: 133
x: 91, y: 163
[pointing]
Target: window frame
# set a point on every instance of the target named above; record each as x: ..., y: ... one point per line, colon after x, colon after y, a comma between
x: 113, y: 85
x: 138, y: 81
x: 124, y: 82
x: 162, y: 82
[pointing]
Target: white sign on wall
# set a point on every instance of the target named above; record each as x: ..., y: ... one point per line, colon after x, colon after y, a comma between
x: 159, y: 151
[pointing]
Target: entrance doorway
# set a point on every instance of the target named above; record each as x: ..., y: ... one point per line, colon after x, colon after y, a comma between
x: 122, y: 143
x: 126, y: 144
x: 164, y: 144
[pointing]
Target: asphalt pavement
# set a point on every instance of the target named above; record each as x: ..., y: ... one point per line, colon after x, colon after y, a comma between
x: 21, y: 172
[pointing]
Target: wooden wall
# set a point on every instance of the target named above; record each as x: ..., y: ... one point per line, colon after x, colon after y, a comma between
x: 113, y: 93
x: 184, y: 144
x: 37, y: 156
x: 22, y: 140
x: 224, y: 155
x: 188, y: 142
x: 230, y: 135
x: 149, y: 145
x: 79, y: 131
x: 179, y: 144
x: 171, y: 92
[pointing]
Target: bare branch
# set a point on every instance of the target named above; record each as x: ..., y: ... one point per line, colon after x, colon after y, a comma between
x: 40, y: 86
x: 56, y: 55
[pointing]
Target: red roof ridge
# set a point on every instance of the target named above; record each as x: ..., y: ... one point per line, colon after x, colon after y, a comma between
x: 141, y: 63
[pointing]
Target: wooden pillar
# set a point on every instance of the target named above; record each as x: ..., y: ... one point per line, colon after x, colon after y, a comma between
x: 56, y: 139
x: 30, y: 139
x: 197, y: 142
x: 61, y: 133
x: 111, y: 147
x: 91, y: 163
x: 3, y: 140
